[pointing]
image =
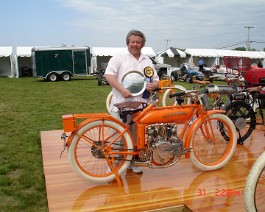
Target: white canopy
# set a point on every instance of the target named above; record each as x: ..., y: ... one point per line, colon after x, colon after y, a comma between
x: 201, y: 52
x: 6, y: 62
x: 23, y: 51
x: 262, y: 53
x: 5, y: 51
x: 105, y: 51
x: 251, y: 54
x: 22, y: 58
x: 101, y: 55
x: 110, y: 51
x: 227, y: 53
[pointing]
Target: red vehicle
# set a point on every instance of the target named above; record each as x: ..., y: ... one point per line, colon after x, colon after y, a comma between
x: 255, y: 76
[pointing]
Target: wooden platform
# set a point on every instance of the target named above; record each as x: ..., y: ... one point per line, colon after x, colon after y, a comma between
x: 172, y: 189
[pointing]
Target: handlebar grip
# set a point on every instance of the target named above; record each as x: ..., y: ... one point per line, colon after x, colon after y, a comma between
x: 157, y: 89
x: 205, y: 91
x: 181, y: 93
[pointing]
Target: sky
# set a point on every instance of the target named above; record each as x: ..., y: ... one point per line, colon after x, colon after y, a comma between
x: 221, y: 24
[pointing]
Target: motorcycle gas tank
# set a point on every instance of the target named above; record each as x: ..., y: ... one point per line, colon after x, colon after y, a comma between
x: 179, y: 115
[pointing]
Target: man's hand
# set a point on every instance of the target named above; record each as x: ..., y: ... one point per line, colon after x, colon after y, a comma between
x: 151, y: 86
x: 126, y: 93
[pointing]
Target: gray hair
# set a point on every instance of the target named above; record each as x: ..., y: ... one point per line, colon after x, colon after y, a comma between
x: 137, y: 33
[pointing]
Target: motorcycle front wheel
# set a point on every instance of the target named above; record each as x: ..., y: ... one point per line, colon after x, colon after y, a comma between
x: 254, y: 193
x: 212, y: 151
x: 93, y: 155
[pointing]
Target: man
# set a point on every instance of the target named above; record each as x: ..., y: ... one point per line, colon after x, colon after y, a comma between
x: 122, y: 63
x: 201, y: 64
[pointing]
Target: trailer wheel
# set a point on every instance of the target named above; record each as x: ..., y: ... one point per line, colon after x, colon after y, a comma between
x: 66, y: 76
x: 52, y: 77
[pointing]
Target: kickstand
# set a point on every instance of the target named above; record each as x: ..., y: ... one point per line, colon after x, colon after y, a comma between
x: 118, y: 178
x: 115, y: 171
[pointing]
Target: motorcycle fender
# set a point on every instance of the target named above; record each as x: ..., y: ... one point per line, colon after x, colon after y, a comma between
x: 194, y: 125
x: 69, y: 123
x: 76, y: 128
x: 91, y: 119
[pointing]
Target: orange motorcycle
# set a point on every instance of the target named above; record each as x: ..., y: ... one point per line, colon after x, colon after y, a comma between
x: 100, y: 147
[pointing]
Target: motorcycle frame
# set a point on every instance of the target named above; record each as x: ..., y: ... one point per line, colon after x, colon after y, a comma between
x: 149, y: 115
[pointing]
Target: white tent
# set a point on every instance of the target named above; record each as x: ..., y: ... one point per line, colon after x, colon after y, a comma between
x: 100, y: 56
x: 23, y: 61
x: 6, y: 62
x: 216, y: 56
x: 172, y: 56
x: 227, y: 53
x: 209, y: 56
x: 172, y: 52
x: 251, y: 54
x: 263, y: 61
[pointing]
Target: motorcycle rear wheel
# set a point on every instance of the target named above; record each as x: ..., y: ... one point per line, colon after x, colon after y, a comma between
x: 243, y: 117
x: 91, y: 155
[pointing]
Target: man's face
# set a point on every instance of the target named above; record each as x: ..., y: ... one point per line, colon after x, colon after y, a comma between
x: 135, y: 45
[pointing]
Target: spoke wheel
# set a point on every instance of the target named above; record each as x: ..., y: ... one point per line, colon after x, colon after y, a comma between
x: 214, y: 151
x: 254, y: 194
x: 93, y: 155
x: 243, y: 118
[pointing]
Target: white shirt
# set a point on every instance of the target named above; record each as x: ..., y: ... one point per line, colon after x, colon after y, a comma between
x: 122, y: 63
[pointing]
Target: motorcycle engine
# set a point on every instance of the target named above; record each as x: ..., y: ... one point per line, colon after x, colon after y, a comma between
x: 164, y: 143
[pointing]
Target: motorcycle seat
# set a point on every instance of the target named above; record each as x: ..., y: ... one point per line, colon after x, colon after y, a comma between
x: 130, y: 105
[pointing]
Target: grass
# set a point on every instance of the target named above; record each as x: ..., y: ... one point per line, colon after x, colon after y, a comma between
x: 27, y: 107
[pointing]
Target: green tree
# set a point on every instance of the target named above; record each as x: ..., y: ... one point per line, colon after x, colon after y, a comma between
x: 240, y: 49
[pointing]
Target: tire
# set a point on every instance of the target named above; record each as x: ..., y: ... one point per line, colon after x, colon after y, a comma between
x: 174, y: 74
x: 254, y: 190
x: 262, y: 103
x: 53, y: 77
x: 243, y: 117
x: 208, y: 155
x: 99, y: 80
x: 166, y: 101
x: 188, y: 79
x: 108, y: 101
x: 162, y: 72
x: 66, y: 76
x: 87, y: 157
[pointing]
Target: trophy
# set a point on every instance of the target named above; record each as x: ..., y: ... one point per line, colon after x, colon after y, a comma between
x: 149, y: 73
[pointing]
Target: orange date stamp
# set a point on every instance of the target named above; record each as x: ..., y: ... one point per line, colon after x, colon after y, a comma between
x: 225, y: 192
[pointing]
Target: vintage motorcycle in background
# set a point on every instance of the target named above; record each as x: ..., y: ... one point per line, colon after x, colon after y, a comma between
x: 100, y: 148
